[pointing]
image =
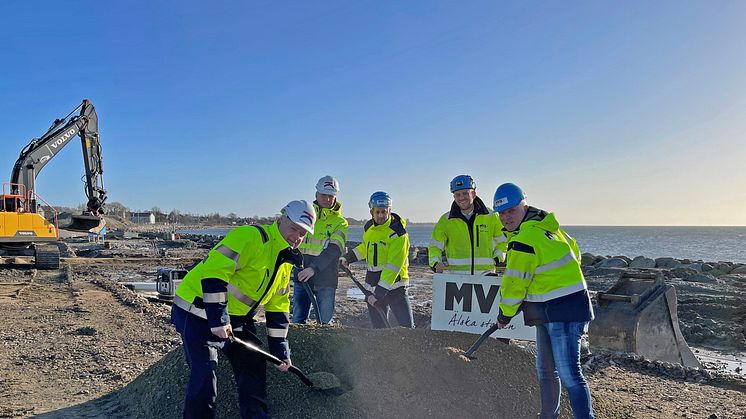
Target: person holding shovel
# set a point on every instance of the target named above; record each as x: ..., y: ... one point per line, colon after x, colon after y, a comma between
x: 218, y: 298
x: 321, y: 251
x: 543, y: 279
x: 385, y: 249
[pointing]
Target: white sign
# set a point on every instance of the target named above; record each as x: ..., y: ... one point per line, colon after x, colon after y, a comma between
x: 468, y: 303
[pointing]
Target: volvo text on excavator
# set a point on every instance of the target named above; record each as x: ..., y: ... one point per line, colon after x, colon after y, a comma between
x: 24, y: 231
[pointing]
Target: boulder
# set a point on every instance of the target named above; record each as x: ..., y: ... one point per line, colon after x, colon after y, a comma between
x: 706, y: 267
x: 667, y: 263
x: 682, y: 272
x: 724, y: 267
x: 614, y: 262
x: 740, y: 269
x: 642, y: 262
x: 587, y: 259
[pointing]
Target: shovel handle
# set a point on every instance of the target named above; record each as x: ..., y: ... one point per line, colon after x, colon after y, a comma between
x: 273, y: 359
x: 367, y: 293
x: 470, y: 352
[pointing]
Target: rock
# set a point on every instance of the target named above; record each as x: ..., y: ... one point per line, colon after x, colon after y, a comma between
x: 614, y: 262
x: 723, y: 267
x: 697, y: 277
x: 706, y: 267
x: 740, y: 269
x: 667, y: 263
x: 696, y: 266
x: 642, y: 262
x: 587, y: 259
x: 625, y: 258
x: 682, y: 272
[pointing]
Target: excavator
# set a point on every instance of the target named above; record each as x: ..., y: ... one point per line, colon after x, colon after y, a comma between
x: 24, y: 230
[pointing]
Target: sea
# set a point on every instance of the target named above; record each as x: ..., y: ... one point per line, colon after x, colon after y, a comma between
x: 709, y: 244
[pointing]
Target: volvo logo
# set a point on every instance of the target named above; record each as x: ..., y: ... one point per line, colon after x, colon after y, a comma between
x: 66, y: 136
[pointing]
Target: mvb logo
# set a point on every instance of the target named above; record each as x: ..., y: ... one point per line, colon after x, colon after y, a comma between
x: 465, y: 293
x: 66, y: 136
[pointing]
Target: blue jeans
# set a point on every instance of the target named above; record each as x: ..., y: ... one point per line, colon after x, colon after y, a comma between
x: 398, y: 301
x: 558, y: 361
x: 302, y: 303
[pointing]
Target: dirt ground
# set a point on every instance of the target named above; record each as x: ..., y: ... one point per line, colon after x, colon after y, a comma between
x: 77, y: 344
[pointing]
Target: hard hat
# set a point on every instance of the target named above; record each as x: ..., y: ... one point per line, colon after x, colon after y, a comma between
x: 379, y: 199
x: 327, y: 185
x: 301, y: 213
x: 507, y: 196
x: 462, y: 182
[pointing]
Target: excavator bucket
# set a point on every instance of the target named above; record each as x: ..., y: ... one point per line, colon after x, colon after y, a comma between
x: 639, y: 315
x: 80, y: 222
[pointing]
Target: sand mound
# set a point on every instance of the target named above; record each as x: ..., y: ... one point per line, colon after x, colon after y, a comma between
x: 383, y: 373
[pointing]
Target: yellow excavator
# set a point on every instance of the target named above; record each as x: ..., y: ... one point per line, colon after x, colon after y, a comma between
x: 24, y: 230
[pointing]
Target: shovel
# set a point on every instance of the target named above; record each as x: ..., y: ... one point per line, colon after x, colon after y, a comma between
x: 322, y: 381
x: 367, y: 293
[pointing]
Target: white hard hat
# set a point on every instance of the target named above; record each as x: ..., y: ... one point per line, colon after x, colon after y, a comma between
x: 328, y: 185
x: 301, y: 213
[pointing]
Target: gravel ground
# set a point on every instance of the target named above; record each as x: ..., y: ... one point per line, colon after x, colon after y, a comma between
x: 76, y: 344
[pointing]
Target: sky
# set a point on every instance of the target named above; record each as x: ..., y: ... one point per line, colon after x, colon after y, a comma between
x: 606, y: 113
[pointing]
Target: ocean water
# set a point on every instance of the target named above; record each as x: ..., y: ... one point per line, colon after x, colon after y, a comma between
x: 710, y: 244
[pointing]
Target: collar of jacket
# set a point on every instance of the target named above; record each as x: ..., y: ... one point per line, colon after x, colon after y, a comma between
x: 479, y: 208
x: 539, y: 218
x: 320, y: 212
x: 391, y: 222
x: 275, y: 238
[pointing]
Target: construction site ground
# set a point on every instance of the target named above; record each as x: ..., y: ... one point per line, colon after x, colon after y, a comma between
x: 75, y: 343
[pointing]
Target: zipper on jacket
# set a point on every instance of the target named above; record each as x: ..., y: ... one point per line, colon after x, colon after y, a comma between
x: 266, y: 274
x: 375, y: 254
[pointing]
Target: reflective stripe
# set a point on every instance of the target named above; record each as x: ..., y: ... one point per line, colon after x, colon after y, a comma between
x: 283, y: 291
x: 374, y: 268
x: 240, y: 296
x: 439, y: 244
x: 511, y: 301
x: 215, y: 297
x: 499, y: 239
x: 186, y: 305
x: 311, y: 252
x: 564, y: 260
x: 229, y: 253
x: 312, y: 241
x: 392, y: 267
x: 339, y: 233
x: 467, y: 261
x: 357, y: 254
x: 337, y: 242
x: 500, y: 255
x: 518, y: 274
x: 433, y: 259
x: 395, y: 285
x: 561, y: 292
x: 277, y: 333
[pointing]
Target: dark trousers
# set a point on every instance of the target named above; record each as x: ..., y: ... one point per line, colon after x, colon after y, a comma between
x: 398, y: 301
x: 249, y: 369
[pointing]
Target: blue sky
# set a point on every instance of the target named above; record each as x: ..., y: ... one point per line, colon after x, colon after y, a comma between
x: 608, y: 113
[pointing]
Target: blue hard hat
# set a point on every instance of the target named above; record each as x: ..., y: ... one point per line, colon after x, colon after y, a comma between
x: 379, y: 199
x: 507, y: 196
x: 462, y: 182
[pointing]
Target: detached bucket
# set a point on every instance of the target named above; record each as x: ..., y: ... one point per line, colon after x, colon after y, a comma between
x: 639, y: 314
x: 83, y: 223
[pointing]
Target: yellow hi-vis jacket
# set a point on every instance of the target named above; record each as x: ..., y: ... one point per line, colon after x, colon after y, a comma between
x: 471, y: 246
x: 385, y: 249
x: 543, y: 275
x: 247, y: 259
x: 330, y: 229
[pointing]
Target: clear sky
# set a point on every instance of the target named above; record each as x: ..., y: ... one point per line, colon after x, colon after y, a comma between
x: 607, y: 113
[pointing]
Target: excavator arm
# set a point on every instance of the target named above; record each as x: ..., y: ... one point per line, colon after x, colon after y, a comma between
x: 40, y: 151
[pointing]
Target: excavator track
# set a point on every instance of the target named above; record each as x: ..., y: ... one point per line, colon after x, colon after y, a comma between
x: 47, y: 256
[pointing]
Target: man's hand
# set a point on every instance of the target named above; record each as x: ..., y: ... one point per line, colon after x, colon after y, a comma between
x: 305, y: 274
x: 440, y: 267
x: 222, y: 331
x: 286, y: 363
x: 343, y: 262
x: 372, y: 300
